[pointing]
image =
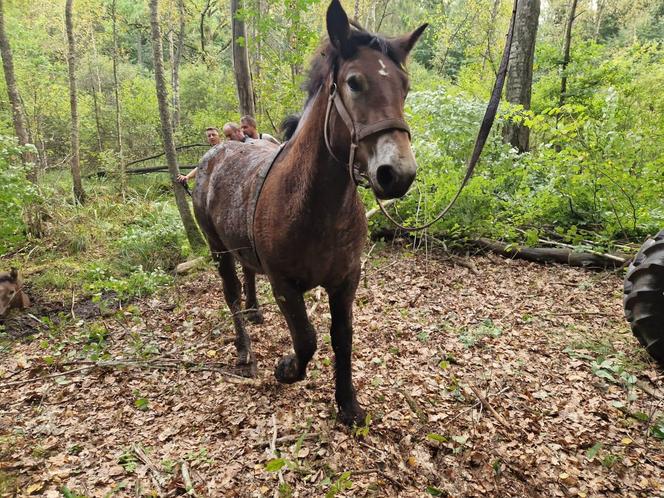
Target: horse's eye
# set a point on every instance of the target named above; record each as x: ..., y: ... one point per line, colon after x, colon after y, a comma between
x: 355, y: 83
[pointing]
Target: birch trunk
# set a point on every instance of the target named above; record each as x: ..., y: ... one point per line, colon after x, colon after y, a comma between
x: 193, y: 235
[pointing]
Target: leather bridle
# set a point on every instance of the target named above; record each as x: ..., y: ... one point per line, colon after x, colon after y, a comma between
x: 358, y: 131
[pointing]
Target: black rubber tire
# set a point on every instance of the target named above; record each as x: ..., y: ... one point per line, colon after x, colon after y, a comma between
x: 644, y: 296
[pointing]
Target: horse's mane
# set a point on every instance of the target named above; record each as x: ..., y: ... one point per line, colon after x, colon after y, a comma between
x: 327, y: 60
x: 289, y: 125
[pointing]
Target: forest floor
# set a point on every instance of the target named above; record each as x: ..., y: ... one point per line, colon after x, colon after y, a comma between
x: 482, y: 376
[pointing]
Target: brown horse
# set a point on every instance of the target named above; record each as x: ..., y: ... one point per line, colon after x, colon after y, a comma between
x: 298, y: 218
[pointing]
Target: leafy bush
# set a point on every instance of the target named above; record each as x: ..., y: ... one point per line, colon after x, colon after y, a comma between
x: 15, y: 193
x: 156, y: 241
x: 595, y: 167
x: 139, y: 283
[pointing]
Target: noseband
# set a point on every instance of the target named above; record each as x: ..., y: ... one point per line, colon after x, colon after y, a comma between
x: 358, y: 131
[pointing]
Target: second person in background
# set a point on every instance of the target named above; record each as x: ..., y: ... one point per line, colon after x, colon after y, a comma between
x: 248, y: 125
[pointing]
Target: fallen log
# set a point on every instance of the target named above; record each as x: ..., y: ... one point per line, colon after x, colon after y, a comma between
x: 158, y: 169
x: 139, y: 171
x: 552, y: 254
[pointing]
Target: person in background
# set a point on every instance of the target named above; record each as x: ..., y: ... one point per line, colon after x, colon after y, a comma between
x: 248, y: 125
x: 233, y: 132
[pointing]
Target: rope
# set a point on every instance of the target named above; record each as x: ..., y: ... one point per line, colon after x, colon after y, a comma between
x: 483, y: 134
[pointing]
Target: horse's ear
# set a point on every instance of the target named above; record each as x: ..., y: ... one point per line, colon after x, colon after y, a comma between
x: 407, y: 42
x: 338, y: 28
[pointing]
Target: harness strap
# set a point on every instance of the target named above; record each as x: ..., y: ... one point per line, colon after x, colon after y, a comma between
x: 384, y: 124
x: 251, y: 214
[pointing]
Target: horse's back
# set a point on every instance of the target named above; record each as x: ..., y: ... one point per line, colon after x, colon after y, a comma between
x: 227, y: 183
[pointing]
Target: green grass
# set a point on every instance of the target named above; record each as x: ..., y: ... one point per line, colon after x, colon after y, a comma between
x: 125, y: 246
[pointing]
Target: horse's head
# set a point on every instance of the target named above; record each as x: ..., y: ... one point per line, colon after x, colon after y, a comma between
x: 11, y: 295
x: 371, y: 84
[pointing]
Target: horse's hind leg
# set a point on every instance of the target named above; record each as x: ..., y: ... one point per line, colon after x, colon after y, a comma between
x: 246, y: 361
x: 341, y: 332
x: 292, y: 368
x: 252, y: 310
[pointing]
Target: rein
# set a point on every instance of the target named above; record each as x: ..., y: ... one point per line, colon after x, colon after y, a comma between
x: 399, y: 124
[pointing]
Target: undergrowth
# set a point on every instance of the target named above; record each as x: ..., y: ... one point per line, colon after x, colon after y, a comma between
x: 124, y: 246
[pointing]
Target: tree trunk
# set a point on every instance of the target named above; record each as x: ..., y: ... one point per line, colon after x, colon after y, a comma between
x: 18, y: 115
x: 566, y: 53
x: 139, y: 48
x: 79, y: 194
x: 176, y: 58
x: 175, y: 54
x: 96, y: 89
x: 241, y: 62
x: 520, y: 72
x: 597, y: 21
x: 193, y: 235
x: 257, y: 54
x: 202, y: 30
x: 118, y: 103
x: 552, y: 255
x: 489, y: 37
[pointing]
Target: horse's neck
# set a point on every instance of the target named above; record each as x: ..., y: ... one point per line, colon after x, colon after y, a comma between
x: 322, y: 180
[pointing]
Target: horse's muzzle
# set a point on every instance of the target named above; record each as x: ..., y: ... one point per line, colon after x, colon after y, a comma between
x: 391, y: 183
x: 391, y: 165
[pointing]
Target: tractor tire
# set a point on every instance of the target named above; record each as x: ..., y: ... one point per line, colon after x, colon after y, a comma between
x: 644, y: 296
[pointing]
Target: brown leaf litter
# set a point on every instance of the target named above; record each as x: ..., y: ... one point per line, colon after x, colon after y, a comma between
x: 478, y: 378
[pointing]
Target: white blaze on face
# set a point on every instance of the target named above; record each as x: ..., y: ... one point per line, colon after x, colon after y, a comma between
x: 382, y: 71
x: 387, y: 152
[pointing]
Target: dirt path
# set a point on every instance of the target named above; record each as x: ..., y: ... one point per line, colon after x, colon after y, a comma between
x: 507, y: 379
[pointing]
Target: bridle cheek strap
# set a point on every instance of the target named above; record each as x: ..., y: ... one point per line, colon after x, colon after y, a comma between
x: 357, y: 132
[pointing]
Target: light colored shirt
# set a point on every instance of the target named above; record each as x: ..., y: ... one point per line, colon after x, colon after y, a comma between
x: 269, y: 138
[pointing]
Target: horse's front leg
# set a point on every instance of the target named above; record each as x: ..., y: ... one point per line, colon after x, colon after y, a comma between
x: 293, y: 368
x: 341, y: 309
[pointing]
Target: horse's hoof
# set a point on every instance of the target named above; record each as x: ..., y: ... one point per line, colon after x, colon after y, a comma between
x: 254, y: 315
x: 288, y: 370
x: 246, y: 366
x: 246, y: 369
x: 352, y: 416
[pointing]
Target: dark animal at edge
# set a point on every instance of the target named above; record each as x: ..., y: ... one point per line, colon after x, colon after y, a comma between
x: 11, y: 293
x: 309, y: 226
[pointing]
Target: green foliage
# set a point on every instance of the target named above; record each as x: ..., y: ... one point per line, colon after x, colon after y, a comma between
x: 137, y: 283
x: 470, y: 336
x: 593, y: 175
x: 128, y: 461
x: 593, y: 451
x: 15, y: 193
x: 657, y: 429
x: 339, y: 485
x: 596, y: 162
x: 68, y: 493
x: 154, y: 242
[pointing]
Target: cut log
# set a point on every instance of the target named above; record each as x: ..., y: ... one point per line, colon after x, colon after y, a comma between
x: 189, y: 265
x: 551, y: 255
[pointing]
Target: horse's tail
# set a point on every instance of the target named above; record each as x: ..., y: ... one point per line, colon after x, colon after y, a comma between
x: 289, y: 125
